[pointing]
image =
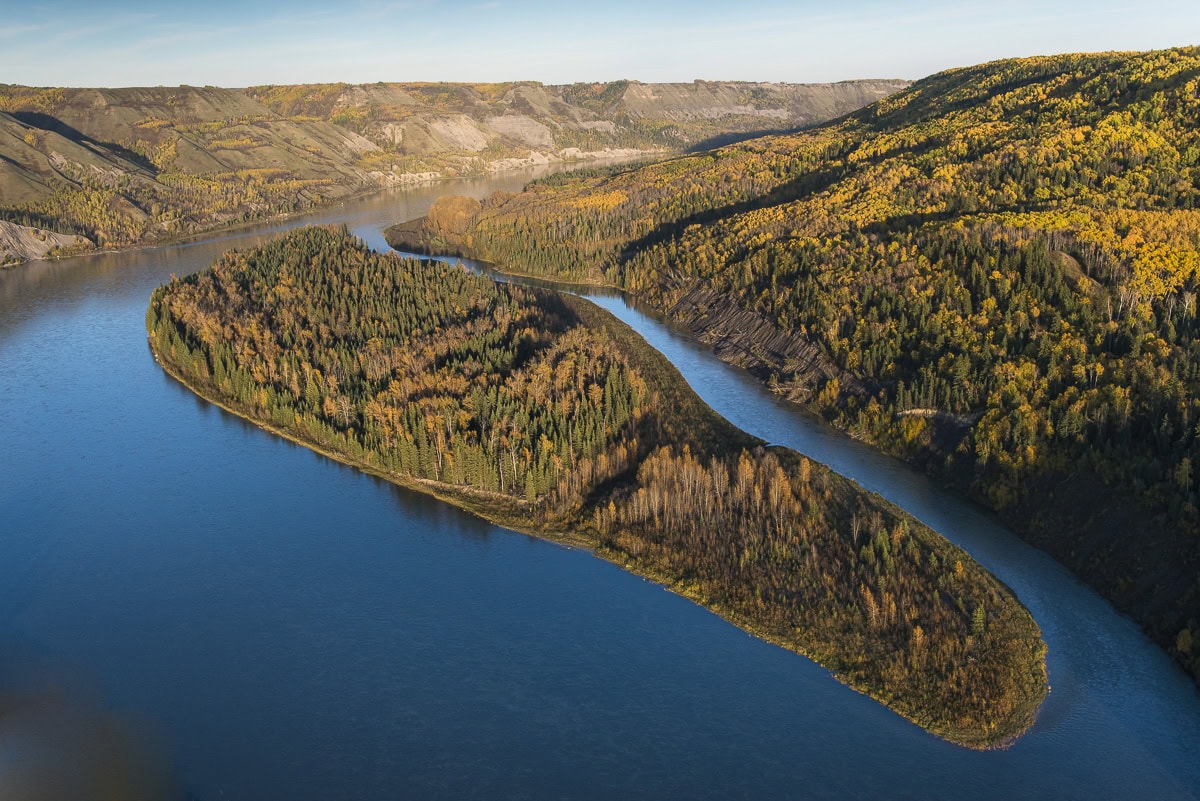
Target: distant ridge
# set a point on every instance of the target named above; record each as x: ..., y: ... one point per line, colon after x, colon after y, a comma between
x: 134, y: 165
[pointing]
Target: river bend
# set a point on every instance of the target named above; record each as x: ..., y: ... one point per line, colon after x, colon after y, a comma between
x: 285, y: 627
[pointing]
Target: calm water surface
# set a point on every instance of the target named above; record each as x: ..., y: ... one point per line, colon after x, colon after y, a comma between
x: 287, y: 628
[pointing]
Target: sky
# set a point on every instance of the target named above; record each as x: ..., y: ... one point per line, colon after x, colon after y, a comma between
x: 252, y: 42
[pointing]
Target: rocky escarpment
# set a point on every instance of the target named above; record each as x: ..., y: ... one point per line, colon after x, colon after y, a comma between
x: 20, y: 243
x: 424, y: 120
x: 796, y: 365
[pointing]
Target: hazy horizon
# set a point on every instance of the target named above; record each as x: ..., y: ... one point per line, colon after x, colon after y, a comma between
x: 141, y: 43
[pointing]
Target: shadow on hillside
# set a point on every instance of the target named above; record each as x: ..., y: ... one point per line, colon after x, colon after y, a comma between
x: 733, y: 137
x: 46, y: 122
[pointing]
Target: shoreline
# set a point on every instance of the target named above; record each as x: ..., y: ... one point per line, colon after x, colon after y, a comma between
x: 574, y: 532
x: 1020, y: 523
x: 358, y: 194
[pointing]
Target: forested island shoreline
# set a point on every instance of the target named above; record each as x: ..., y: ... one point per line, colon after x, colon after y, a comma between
x: 617, y: 458
x: 991, y: 275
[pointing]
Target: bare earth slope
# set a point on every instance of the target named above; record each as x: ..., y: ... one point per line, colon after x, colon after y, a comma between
x: 23, y: 243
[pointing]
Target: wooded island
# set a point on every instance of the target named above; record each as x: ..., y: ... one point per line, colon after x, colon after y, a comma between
x: 543, y: 413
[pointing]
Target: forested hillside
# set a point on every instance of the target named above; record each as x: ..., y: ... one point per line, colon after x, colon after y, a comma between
x: 992, y: 273
x: 544, y: 413
x: 127, y: 166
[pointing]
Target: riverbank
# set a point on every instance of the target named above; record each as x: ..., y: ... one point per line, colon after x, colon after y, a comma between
x: 1075, y: 517
x: 16, y: 241
x: 703, y: 425
x: 184, y: 576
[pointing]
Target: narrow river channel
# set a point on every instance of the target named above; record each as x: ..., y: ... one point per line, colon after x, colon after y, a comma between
x: 268, y: 624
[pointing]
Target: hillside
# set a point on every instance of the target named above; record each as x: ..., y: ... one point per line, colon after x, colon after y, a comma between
x: 992, y: 274
x: 128, y: 166
x: 544, y: 413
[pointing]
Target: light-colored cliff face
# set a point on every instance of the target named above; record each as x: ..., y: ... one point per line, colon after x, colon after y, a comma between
x: 20, y: 243
x: 425, y: 120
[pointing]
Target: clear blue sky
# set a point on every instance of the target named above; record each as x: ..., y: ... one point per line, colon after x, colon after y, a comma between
x: 226, y: 43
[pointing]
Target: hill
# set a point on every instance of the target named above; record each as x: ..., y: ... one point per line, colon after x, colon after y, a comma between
x: 136, y: 165
x: 992, y: 274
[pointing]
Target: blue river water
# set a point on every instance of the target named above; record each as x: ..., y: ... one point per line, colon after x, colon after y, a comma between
x: 263, y: 623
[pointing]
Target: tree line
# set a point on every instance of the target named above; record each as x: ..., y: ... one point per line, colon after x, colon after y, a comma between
x: 542, y: 411
x: 999, y: 268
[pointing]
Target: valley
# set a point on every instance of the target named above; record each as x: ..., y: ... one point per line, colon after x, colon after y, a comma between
x: 121, y: 167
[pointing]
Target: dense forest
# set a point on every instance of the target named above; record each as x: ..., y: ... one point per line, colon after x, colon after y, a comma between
x: 542, y: 412
x: 992, y: 274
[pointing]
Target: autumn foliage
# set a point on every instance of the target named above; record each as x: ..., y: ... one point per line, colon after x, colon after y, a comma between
x: 543, y: 412
x: 998, y: 268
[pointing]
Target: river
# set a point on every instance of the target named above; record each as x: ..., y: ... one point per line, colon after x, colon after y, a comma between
x: 279, y: 626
